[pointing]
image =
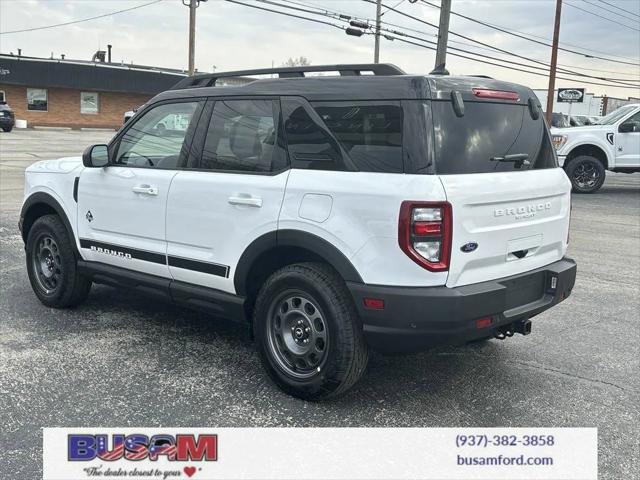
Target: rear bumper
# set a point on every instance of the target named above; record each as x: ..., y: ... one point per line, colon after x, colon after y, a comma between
x: 416, y: 318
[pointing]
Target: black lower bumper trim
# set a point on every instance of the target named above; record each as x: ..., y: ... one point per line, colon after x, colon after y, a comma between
x: 416, y: 318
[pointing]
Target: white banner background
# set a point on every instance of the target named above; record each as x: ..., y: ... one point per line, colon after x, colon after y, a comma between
x: 343, y: 453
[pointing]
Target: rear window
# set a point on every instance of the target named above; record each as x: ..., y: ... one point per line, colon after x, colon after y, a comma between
x: 487, y: 134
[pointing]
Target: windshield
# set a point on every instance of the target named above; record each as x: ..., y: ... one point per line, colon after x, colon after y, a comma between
x: 614, y: 116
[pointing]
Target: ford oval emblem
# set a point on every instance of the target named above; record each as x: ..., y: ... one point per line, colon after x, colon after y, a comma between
x: 469, y: 247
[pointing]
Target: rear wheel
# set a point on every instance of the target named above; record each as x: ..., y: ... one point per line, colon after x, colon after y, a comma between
x: 308, y: 333
x: 52, y: 266
x: 586, y: 174
x: 7, y: 129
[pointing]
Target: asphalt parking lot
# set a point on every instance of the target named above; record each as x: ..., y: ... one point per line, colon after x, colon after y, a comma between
x: 120, y: 360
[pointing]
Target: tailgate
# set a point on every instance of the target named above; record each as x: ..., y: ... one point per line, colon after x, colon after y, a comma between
x: 519, y: 221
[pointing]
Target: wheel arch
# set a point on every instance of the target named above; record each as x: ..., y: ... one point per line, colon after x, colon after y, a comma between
x: 284, y: 247
x: 591, y: 149
x: 39, y: 204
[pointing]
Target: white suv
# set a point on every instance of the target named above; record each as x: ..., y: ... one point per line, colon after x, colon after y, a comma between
x: 612, y: 143
x: 331, y: 214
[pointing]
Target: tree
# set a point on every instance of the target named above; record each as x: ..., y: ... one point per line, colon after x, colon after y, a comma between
x: 297, y: 62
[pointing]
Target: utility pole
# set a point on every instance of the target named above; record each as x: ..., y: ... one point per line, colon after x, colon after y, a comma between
x: 554, y: 58
x: 376, y: 52
x: 443, y: 36
x: 193, y: 4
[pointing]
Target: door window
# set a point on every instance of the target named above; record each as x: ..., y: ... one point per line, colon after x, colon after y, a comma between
x: 635, y: 121
x: 243, y: 136
x: 157, y: 138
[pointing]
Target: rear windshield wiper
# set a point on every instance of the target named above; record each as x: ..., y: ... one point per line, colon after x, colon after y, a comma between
x: 519, y: 159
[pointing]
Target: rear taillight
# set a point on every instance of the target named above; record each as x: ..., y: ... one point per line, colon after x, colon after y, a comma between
x: 424, y: 233
x: 497, y: 94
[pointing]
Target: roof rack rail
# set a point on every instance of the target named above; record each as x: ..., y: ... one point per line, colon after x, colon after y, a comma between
x: 210, y: 79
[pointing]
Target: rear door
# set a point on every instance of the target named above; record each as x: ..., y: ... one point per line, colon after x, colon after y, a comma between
x: 230, y: 194
x: 499, y: 172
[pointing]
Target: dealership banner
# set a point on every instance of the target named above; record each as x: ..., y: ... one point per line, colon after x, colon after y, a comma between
x: 319, y: 453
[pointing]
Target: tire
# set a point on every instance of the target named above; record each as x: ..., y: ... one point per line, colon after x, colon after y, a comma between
x: 309, y: 301
x: 52, y: 265
x: 7, y: 129
x: 586, y: 174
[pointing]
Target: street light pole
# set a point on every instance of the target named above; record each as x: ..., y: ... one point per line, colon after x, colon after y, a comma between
x: 443, y: 36
x: 376, y: 52
x: 554, y: 59
x: 193, y: 4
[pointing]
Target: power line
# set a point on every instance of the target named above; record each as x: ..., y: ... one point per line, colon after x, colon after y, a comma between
x: 600, y: 16
x: 619, y: 8
x: 504, y: 30
x: 284, y: 13
x: 566, y: 71
x: 72, y: 22
x: 635, y: 75
x: 524, y: 36
x: 397, y: 36
x: 608, y: 10
x: 345, y: 17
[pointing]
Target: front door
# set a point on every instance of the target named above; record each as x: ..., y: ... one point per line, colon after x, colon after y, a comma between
x: 122, y: 207
x: 231, y: 197
x: 628, y: 144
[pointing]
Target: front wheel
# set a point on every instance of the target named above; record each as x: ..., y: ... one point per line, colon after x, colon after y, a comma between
x: 7, y: 129
x: 52, y: 265
x: 308, y: 333
x: 586, y: 174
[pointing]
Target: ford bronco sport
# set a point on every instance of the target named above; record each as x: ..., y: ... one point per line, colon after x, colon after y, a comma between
x: 332, y: 214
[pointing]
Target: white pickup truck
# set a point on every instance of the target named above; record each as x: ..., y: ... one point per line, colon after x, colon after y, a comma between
x: 613, y: 143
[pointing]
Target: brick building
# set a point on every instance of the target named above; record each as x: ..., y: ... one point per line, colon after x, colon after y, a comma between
x: 76, y: 93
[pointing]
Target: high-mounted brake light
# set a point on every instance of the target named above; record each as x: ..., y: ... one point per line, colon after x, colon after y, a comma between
x: 424, y: 233
x: 498, y: 94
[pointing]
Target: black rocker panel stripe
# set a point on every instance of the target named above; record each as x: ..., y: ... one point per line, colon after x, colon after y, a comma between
x: 197, y: 266
x: 120, y: 251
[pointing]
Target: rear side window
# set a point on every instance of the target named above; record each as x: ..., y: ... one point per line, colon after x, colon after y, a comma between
x: 310, y: 144
x: 243, y: 137
x: 369, y: 132
x: 486, y: 133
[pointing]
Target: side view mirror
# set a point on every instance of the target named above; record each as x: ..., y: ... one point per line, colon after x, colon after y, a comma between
x: 96, y: 156
x: 629, y: 127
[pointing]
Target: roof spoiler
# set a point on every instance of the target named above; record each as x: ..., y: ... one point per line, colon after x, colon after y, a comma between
x: 210, y: 79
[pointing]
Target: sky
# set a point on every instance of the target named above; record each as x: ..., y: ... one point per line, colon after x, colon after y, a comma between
x: 234, y: 37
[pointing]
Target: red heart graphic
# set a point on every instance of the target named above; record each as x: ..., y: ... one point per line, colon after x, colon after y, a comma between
x: 189, y: 471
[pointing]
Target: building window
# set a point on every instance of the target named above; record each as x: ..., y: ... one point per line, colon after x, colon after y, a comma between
x: 2, y: 97
x: 37, y: 99
x: 89, y: 102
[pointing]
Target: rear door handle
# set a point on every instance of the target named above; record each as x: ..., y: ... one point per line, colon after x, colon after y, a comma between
x: 246, y: 200
x: 145, y: 189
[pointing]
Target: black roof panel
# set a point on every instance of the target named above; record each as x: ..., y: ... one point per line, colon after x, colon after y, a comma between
x: 365, y: 87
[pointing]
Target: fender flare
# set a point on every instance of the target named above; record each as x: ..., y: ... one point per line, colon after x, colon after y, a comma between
x: 605, y: 147
x: 46, y: 199
x: 298, y: 239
